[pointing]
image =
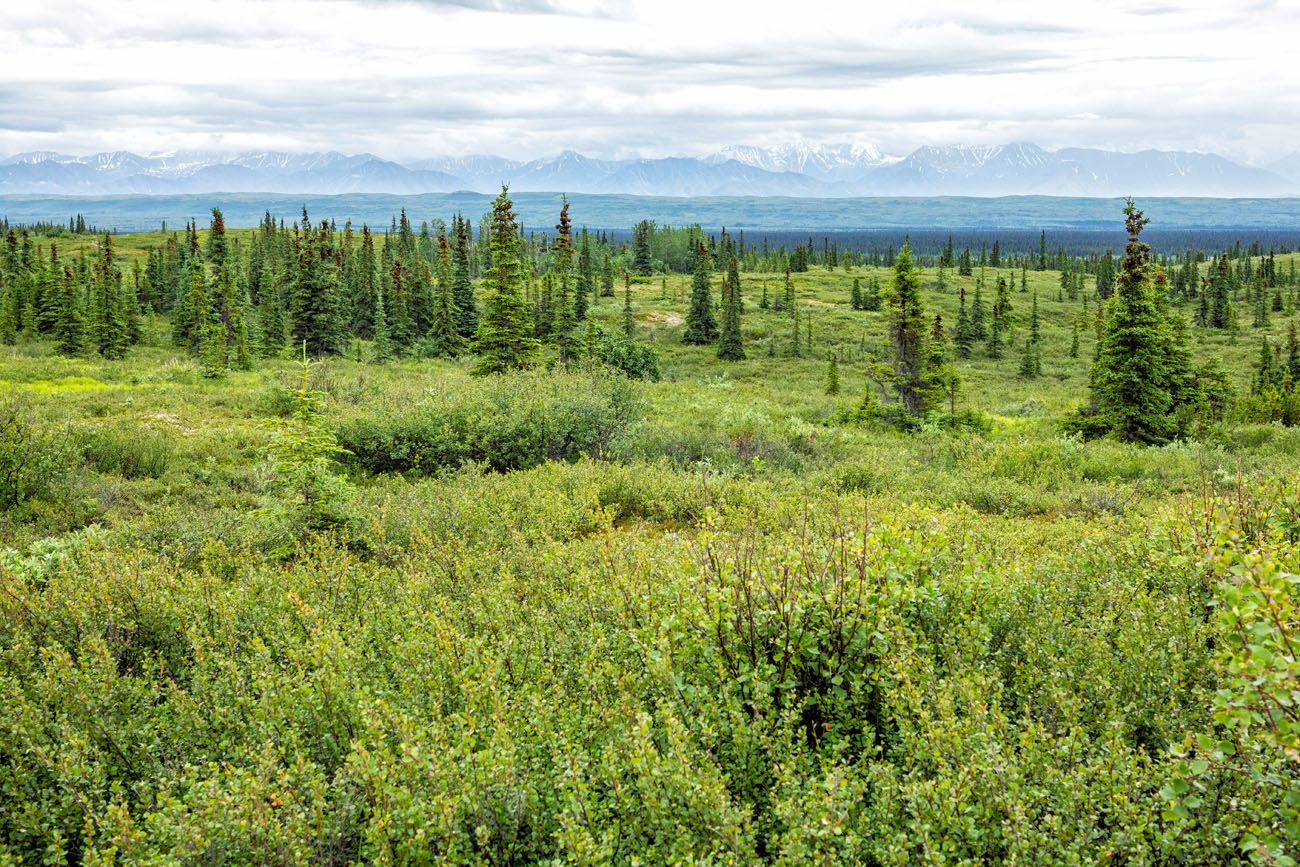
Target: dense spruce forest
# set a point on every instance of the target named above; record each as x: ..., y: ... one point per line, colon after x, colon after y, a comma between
x: 458, y: 541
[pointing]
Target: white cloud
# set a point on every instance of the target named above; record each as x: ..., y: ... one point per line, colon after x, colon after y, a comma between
x: 410, y: 78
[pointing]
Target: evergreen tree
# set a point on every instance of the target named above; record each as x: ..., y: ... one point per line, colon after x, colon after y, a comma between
x: 629, y: 321
x: 701, y: 327
x: 444, y: 336
x: 855, y: 296
x: 871, y: 300
x: 461, y: 283
x: 191, y: 312
x: 731, y: 343
x: 833, y: 375
x: 1132, y: 376
x: 1293, y: 355
x: 69, y: 329
x: 642, y: 263
x: 565, y: 319
x: 383, y: 344
x: 10, y: 311
x: 907, y: 332
x: 108, y: 326
x: 965, y: 331
x: 504, y: 341
x: 313, y: 300
x: 607, y: 277
x: 216, y: 246
x: 978, y: 327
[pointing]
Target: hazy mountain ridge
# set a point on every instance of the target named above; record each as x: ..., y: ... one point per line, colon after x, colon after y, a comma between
x: 797, y: 169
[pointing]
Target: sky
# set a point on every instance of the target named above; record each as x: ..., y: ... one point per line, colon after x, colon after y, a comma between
x: 406, y: 79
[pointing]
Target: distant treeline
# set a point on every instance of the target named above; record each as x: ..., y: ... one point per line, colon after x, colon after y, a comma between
x: 930, y: 243
x: 755, y: 215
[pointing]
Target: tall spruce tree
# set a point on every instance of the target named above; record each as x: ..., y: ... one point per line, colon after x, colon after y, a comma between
x: 108, y: 326
x: 69, y: 330
x: 701, y: 327
x: 461, y: 278
x: 444, y: 336
x: 642, y: 263
x: 566, y: 317
x: 907, y: 332
x: 504, y: 341
x: 731, y: 346
x: 315, y: 311
x: 1135, y: 378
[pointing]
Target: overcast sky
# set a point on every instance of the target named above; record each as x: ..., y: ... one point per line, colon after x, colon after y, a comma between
x: 528, y: 78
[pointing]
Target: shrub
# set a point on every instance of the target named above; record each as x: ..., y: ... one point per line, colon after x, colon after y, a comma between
x: 132, y: 454
x: 33, y: 459
x: 508, y: 422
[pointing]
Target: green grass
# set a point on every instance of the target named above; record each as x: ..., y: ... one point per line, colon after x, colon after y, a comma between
x: 711, y: 624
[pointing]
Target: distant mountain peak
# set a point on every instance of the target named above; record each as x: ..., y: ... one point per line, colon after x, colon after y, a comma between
x: 798, y: 168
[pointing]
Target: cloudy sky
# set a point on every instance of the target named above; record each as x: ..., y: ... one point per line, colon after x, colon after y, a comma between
x: 527, y: 78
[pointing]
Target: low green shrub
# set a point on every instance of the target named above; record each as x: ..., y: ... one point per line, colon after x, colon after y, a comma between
x: 507, y: 422
x: 134, y: 453
x: 34, y: 459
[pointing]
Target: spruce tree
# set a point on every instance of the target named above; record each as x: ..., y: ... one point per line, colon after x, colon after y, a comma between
x: 191, y: 313
x: 607, y: 277
x: 444, y: 336
x: 871, y: 300
x: 965, y: 334
x: 641, y: 256
x: 10, y: 311
x: 731, y: 343
x: 629, y: 321
x: 216, y: 246
x: 108, y: 327
x: 69, y: 329
x: 1131, y: 376
x: 701, y: 327
x: 504, y: 340
x: 1293, y: 355
x: 461, y: 282
x: 978, y: 326
x: 383, y: 344
x: 1031, y: 361
x: 907, y: 333
x: 566, y: 317
x: 855, y: 296
x: 314, y: 295
x: 833, y: 375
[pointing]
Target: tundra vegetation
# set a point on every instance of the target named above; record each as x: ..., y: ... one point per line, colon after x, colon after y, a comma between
x: 467, y: 543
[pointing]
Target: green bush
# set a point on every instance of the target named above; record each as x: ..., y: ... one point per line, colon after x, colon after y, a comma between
x: 135, y: 453
x: 508, y: 422
x: 34, y: 460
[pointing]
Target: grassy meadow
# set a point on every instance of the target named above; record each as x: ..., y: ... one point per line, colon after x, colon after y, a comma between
x: 711, y: 619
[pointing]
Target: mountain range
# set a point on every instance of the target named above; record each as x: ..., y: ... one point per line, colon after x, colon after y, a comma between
x: 799, y: 169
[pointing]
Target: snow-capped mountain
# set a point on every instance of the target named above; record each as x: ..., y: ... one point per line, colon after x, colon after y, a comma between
x: 843, y: 162
x: 1027, y: 169
x: 799, y: 169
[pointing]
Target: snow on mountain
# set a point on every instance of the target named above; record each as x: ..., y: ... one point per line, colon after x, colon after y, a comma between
x: 798, y: 169
x: 824, y: 162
